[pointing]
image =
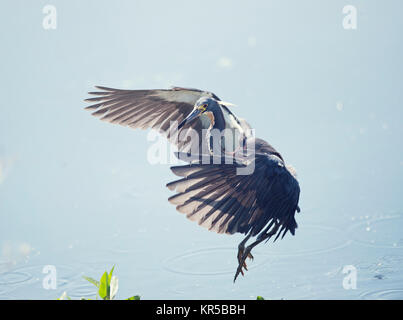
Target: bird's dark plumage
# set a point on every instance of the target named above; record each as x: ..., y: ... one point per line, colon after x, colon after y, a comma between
x: 261, y: 204
x: 219, y: 199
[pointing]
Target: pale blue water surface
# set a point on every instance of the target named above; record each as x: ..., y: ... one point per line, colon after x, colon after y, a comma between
x: 79, y: 194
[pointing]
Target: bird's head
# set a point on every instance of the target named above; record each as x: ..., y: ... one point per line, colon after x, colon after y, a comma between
x: 203, y: 105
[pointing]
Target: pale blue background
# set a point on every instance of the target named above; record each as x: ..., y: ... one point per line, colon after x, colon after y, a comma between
x: 79, y: 193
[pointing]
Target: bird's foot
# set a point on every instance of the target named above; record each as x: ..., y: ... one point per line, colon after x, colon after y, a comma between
x: 242, y: 255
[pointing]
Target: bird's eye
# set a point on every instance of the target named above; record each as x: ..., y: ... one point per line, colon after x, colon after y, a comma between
x: 203, y: 107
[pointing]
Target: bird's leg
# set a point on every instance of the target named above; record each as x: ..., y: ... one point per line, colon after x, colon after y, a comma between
x: 241, y: 248
x: 247, y: 251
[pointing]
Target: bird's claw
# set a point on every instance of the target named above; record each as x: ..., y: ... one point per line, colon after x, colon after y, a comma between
x: 242, y: 262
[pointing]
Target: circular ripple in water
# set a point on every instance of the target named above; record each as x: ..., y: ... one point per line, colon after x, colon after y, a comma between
x: 383, y: 232
x: 217, y: 261
x: 30, y: 274
x: 389, y: 294
x: 209, y: 261
x: 14, y: 277
x: 77, y: 291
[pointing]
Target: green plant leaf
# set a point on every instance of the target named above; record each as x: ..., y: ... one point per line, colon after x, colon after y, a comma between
x: 91, y: 280
x: 104, y: 287
x: 110, y: 275
x: 107, y: 287
x: 259, y: 298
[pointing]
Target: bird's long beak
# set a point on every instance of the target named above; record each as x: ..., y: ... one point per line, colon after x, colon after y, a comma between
x: 195, y: 113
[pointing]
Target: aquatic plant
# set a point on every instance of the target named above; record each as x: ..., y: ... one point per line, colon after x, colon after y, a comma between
x: 107, y: 287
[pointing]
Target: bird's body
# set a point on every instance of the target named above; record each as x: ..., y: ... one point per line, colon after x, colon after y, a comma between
x: 212, y: 190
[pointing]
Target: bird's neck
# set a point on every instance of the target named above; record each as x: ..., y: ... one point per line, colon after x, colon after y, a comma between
x: 218, y: 121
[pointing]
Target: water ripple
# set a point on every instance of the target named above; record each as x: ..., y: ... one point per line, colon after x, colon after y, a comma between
x: 388, y: 294
x: 314, y: 240
x: 14, y: 277
x: 79, y: 290
x: 199, y: 262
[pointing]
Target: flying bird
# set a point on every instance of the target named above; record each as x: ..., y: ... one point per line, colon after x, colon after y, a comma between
x: 260, y: 204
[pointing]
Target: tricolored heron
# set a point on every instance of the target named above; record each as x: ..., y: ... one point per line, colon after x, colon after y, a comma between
x: 260, y: 205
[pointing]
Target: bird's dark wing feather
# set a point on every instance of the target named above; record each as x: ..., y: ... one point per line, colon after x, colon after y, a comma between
x: 222, y: 201
x: 148, y: 108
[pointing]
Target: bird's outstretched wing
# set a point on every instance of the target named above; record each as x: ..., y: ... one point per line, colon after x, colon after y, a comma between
x: 222, y: 201
x: 149, y: 109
